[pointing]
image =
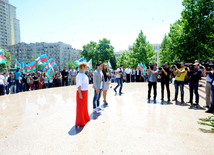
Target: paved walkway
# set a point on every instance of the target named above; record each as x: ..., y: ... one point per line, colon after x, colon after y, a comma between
x: 42, y: 122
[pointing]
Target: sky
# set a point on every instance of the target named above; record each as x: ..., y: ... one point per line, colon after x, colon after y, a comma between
x: 77, y: 22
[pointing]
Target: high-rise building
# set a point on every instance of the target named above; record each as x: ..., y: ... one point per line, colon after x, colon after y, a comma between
x: 9, y: 25
x: 61, y: 52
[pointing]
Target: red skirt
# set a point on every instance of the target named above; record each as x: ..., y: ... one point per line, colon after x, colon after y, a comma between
x: 82, y: 116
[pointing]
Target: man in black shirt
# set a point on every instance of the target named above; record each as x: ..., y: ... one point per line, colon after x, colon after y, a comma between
x: 195, y: 76
x: 165, y: 76
x: 64, y: 77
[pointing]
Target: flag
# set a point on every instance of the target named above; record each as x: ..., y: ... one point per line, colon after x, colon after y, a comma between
x: 51, y: 63
x: 31, y: 66
x: 23, y: 67
x: 89, y: 64
x: 41, y: 60
x: 153, y: 62
x: 49, y: 72
x: 142, y: 69
x: 79, y: 60
x: 2, y: 59
x: 17, y: 64
x: 109, y: 66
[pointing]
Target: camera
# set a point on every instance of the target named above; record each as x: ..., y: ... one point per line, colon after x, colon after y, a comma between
x: 176, y: 63
x: 162, y: 66
x: 151, y: 66
x: 207, y: 65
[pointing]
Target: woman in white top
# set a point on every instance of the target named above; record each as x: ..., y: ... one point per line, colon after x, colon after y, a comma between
x: 82, y: 116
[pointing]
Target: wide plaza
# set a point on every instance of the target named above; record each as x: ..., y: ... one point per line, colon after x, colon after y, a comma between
x: 42, y: 122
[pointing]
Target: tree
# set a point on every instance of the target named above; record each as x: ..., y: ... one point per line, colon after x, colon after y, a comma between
x: 192, y: 36
x: 142, y: 51
x: 102, y: 51
x: 125, y: 59
x: 7, y: 59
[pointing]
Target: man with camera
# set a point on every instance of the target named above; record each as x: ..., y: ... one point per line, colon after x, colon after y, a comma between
x: 208, y: 74
x: 152, y: 78
x: 165, y: 76
x: 119, y: 78
x: 180, y: 74
x: 195, y: 75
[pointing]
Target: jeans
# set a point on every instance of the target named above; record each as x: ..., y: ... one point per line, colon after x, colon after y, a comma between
x: 1, y: 90
x: 154, y: 85
x: 212, y: 98
x: 21, y: 87
x: 17, y: 85
x: 46, y: 85
x: 12, y: 89
x: 181, y: 84
x: 7, y: 89
x: 36, y: 86
x: 194, y: 86
x: 24, y: 87
x: 119, y: 83
x: 167, y: 88
x: 96, y: 99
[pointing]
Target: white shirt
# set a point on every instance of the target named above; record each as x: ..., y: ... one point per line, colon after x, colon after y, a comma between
x: 82, y: 80
x: 209, y: 79
x: 133, y: 72
x: 137, y: 72
x: 6, y: 78
x: 101, y: 73
x: 2, y: 80
x: 118, y: 70
x: 128, y: 71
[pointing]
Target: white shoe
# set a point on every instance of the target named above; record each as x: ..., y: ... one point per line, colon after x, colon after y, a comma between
x: 96, y: 111
x: 100, y: 109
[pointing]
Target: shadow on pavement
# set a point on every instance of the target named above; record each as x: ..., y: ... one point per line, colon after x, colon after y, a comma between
x: 94, y: 116
x: 75, y: 130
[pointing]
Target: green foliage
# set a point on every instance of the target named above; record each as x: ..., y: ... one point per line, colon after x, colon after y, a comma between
x: 142, y: 51
x: 7, y: 59
x: 192, y: 36
x: 101, y: 51
x: 70, y: 64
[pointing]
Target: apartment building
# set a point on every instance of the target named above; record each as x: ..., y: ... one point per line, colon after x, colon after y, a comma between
x: 9, y: 25
x: 61, y: 52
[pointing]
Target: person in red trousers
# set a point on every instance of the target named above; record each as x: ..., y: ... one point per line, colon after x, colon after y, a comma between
x: 82, y: 116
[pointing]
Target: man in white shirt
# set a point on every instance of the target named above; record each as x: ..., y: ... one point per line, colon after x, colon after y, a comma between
x: 132, y: 74
x: 119, y: 77
x: 73, y: 74
x: 137, y: 75
x: 128, y: 71
x: 2, y: 84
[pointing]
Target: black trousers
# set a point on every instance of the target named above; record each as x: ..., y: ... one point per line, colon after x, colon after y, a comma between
x: 132, y: 78
x: 167, y: 89
x: 154, y: 85
x: 64, y: 81
x: 128, y: 77
x: 137, y: 78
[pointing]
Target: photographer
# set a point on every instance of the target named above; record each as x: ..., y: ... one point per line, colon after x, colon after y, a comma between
x: 195, y: 76
x: 208, y: 73
x: 152, y: 77
x: 119, y: 77
x: 179, y: 81
x: 165, y: 76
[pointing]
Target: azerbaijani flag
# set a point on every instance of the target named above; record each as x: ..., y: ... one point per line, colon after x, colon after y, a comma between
x: 2, y: 59
x: 89, y: 64
x: 109, y: 66
x: 142, y: 69
x: 41, y: 60
x: 31, y: 66
x: 17, y: 64
x: 51, y: 63
x: 49, y: 72
x: 79, y: 60
x: 153, y: 62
